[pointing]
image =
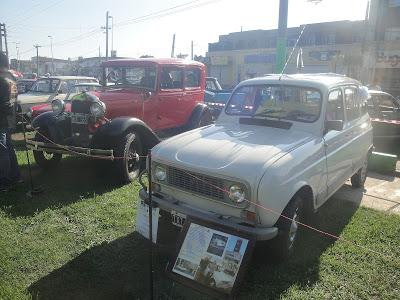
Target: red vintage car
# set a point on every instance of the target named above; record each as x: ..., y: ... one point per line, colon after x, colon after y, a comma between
x: 141, y: 100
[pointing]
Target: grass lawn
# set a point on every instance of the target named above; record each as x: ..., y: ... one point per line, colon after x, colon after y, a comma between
x: 77, y: 241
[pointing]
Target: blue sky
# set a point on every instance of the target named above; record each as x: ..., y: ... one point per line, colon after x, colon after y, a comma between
x: 75, y: 25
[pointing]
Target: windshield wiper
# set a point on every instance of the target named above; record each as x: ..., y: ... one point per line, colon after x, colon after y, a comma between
x: 268, y: 112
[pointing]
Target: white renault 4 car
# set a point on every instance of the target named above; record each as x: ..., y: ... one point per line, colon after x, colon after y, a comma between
x: 282, y: 146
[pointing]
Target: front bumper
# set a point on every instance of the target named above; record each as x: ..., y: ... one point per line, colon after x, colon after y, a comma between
x: 258, y: 232
x: 71, y: 150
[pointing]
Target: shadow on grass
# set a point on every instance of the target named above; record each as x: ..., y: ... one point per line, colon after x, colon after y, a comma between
x: 73, y: 179
x: 119, y: 270
x: 115, y: 270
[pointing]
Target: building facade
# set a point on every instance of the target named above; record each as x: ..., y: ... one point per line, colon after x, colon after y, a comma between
x: 368, y: 50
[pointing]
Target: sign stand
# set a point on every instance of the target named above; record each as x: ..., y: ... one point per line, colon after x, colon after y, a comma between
x: 150, y: 227
x: 34, y: 190
x: 211, y: 258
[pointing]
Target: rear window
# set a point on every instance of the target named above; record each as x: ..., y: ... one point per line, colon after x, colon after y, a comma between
x: 192, y: 78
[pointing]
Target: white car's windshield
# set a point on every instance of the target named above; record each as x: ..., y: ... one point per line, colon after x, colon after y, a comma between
x: 45, y: 86
x: 138, y: 76
x: 294, y: 103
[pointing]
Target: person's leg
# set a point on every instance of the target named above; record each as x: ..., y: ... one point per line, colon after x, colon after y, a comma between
x: 14, y: 175
x: 4, y: 160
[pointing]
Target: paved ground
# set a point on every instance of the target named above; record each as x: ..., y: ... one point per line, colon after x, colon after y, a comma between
x: 381, y: 192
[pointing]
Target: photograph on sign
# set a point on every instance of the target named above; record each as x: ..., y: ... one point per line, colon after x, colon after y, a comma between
x: 142, y: 220
x: 210, y: 257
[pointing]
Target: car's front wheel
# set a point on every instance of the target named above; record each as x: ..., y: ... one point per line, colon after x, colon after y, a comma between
x: 358, y: 179
x: 286, y: 242
x: 46, y: 160
x: 128, y: 153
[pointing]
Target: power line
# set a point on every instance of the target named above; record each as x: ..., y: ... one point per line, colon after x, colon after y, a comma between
x: 32, y: 15
x: 158, y: 14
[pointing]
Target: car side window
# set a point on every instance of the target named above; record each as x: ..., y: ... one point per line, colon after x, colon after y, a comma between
x: 386, y: 103
x: 171, y: 78
x: 351, y: 103
x: 192, y: 78
x: 335, y: 110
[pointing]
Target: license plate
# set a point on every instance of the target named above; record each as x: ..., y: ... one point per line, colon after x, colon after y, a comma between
x: 79, y: 118
x: 177, y: 218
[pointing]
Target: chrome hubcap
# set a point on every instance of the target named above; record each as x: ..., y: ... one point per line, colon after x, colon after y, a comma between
x: 293, y: 229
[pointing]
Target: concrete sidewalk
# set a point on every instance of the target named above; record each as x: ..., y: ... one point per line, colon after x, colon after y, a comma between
x: 381, y: 192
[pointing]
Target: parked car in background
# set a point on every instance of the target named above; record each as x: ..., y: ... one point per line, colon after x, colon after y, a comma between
x: 36, y: 110
x: 141, y: 100
x: 384, y: 110
x: 24, y: 85
x: 44, y: 90
x: 282, y: 146
x: 215, y: 97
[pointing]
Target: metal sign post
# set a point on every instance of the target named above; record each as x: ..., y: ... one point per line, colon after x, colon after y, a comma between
x: 150, y: 225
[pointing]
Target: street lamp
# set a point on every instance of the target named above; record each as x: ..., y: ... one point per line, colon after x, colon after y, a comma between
x: 52, y: 57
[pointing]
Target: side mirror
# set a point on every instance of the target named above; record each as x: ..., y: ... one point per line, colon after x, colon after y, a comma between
x: 336, y: 125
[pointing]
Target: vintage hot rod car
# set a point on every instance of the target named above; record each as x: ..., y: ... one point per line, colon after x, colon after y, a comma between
x: 141, y: 100
x: 279, y: 149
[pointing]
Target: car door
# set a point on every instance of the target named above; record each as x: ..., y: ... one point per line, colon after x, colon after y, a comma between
x: 169, y: 97
x: 192, y: 94
x: 337, y: 143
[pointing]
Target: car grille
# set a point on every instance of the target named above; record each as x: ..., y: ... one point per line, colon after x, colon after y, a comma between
x: 80, y: 132
x: 196, y: 183
x: 78, y: 106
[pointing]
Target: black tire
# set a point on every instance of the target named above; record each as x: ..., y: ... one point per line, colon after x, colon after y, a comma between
x: 358, y: 179
x: 129, y: 147
x: 205, y: 119
x: 284, y: 245
x: 46, y: 160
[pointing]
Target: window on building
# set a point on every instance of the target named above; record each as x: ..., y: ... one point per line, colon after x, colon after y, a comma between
x: 392, y: 34
x: 351, y: 103
x: 331, y: 39
x: 335, y: 110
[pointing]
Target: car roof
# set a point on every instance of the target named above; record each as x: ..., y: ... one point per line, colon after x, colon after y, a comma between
x: 317, y: 80
x: 68, y: 77
x: 158, y: 61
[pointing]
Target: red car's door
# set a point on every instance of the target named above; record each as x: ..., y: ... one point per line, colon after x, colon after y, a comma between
x: 193, y: 92
x: 169, y: 98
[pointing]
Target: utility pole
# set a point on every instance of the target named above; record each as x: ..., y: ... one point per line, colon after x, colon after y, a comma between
x: 112, y: 33
x: 3, y: 34
x: 52, y: 57
x: 17, y: 54
x: 107, y: 28
x: 281, y: 41
x: 191, y: 50
x: 173, y: 46
x: 37, y: 58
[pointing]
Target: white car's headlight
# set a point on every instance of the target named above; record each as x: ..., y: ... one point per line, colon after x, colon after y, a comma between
x: 98, y: 109
x: 160, y: 173
x: 58, y: 106
x: 237, y: 193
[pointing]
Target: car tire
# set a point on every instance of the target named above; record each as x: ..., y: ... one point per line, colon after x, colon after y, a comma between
x: 358, y: 179
x: 130, y: 148
x: 43, y: 159
x: 206, y: 119
x: 284, y: 245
